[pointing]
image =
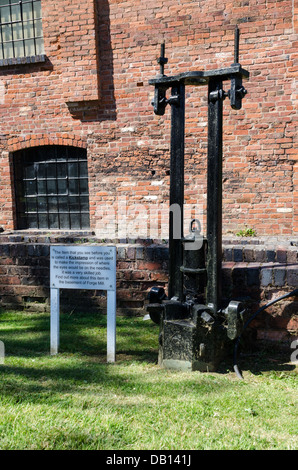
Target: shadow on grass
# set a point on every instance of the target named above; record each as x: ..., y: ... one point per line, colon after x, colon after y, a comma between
x: 28, y: 335
x: 61, y: 384
x: 261, y: 357
x: 33, y: 375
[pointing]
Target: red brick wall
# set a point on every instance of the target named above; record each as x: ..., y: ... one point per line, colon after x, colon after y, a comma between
x: 93, y: 91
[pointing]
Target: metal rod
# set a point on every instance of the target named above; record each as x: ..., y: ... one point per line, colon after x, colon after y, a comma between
x: 162, y: 60
x: 214, y: 192
x: 236, y: 45
x: 162, y: 55
x: 177, y: 192
x: 111, y: 325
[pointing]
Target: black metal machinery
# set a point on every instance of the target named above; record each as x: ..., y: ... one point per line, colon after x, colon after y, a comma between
x: 195, y: 326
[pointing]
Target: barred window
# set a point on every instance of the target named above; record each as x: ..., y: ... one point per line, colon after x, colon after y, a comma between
x: 20, y: 29
x: 51, y: 186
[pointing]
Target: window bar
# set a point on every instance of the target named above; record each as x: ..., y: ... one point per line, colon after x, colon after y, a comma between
x: 36, y: 192
x: 67, y: 181
x: 33, y: 26
x: 36, y: 200
x: 21, y: 205
x: 57, y: 195
x: 79, y: 192
x: 2, y: 43
x: 23, y: 31
x: 60, y: 211
x: 11, y: 28
x: 26, y: 199
x: 47, y: 193
x: 25, y: 206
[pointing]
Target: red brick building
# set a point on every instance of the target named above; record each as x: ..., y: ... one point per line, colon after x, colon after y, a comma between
x: 80, y: 144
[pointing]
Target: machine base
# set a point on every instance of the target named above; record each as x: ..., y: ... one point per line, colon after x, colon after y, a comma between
x: 189, y: 346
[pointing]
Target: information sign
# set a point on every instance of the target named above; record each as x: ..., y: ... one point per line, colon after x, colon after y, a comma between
x: 83, y: 267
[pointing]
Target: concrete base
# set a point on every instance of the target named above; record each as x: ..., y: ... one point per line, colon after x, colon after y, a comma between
x: 187, y: 366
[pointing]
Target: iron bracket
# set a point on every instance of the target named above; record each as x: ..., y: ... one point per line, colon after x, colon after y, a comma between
x: 234, y: 314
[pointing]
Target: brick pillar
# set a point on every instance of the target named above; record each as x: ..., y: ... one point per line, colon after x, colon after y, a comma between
x: 295, y: 197
x: 6, y: 195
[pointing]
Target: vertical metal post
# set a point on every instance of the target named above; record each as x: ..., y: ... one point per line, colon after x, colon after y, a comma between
x: 162, y: 60
x: 177, y: 102
x: 111, y: 326
x: 214, y: 192
x: 236, y: 45
x: 55, y: 312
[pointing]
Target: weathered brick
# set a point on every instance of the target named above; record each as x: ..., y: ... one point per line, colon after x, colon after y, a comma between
x: 279, y: 276
x: 292, y: 255
x: 131, y: 252
x: 249, y: 254
x: 150, y: 253
x: 260, y: 255
x: 239, y: 274
x: 139, y: 253
x: 270, y: 255
x: 238, y: 254
x: 266, y: 275
x: 253, y: 274
x: 281, y: 255
x: 121, y: 253
x: 228, y: 254
x: 292, y: 275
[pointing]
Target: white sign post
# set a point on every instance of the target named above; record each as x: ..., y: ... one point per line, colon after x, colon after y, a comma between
x: 83, y: 267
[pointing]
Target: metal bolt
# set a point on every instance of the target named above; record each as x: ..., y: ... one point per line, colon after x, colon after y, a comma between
x: 217, y: 95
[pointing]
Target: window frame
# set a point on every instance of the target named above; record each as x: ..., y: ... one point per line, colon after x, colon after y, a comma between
x: 37, y: 40
x: 43, y: 177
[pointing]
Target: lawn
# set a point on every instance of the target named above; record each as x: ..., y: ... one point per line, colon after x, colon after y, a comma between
x: 75, y: 400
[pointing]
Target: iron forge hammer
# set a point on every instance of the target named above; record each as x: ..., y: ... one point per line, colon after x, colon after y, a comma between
x: 195, y: 327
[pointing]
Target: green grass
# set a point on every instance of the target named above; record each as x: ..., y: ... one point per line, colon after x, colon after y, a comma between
x: 75, y: 400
